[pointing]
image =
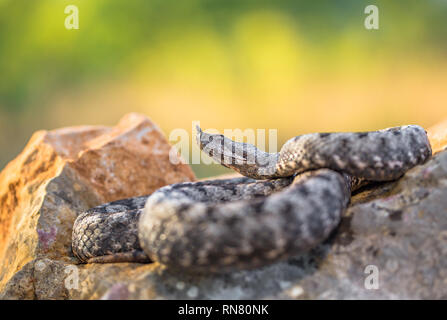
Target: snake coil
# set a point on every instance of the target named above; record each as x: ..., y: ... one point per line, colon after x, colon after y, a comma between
x: 287, y: 203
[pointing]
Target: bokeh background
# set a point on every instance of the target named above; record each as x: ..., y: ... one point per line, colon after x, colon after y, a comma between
x: 295, y: 66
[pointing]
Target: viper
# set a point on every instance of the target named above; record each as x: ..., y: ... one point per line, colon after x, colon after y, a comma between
x: 286, y: 203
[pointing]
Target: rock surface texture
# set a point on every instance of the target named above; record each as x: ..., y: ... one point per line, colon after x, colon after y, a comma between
x: 396, y: 230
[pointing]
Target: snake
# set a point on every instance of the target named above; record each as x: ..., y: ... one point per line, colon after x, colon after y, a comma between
x: 283, y: 204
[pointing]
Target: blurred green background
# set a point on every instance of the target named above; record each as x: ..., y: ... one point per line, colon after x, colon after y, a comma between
x: 295, y: 66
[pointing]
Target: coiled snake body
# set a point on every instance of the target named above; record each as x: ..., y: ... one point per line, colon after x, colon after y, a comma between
x: 287, y: 203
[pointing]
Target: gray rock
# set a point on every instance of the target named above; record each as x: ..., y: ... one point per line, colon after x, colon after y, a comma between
x: 397, y: 229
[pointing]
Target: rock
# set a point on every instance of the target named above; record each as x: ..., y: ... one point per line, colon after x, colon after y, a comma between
x: 399, y: 227
x: 65, y: 171
x: 438, y: 136
x: 396, y: 229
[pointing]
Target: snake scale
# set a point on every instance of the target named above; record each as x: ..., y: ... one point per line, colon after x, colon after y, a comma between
x: 287, y: 203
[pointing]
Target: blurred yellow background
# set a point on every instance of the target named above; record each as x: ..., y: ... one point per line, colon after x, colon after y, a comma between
x: 294, y: 66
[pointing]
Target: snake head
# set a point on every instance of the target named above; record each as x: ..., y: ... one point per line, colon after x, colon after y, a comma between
x: 214, y: 146
x: 242, y: 157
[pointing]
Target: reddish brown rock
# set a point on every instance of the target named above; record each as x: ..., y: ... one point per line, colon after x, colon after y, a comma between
x: 65, y: 171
